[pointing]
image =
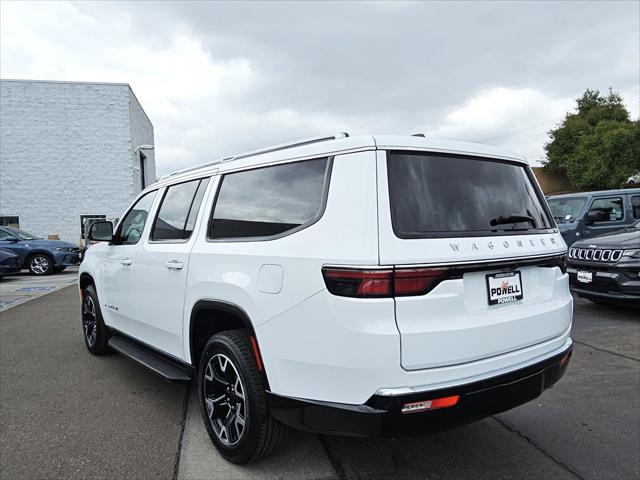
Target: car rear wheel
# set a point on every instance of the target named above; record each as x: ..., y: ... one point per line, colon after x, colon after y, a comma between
x: 40, y: 264
x: 233, y: 402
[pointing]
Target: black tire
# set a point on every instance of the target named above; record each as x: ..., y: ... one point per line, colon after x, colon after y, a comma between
x: 94, y: 330
x: 261, y: 434
x: 40, y: 264
x: 59, y: 269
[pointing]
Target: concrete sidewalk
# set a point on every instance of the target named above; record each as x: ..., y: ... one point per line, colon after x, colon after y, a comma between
x: 302, y: 457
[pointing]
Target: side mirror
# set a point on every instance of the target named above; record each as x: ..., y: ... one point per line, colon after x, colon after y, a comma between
x: 12, y: 239
x: 101, y: 232
x: 593, y: 217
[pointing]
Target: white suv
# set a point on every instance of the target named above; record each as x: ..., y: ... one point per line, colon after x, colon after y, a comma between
x: 344, y: 285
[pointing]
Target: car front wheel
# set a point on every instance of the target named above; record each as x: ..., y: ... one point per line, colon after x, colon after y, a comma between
x: 233, y: 402
x: 93, y: 327
x: 40, y: 264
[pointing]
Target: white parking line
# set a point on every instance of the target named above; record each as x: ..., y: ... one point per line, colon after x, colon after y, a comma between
x: 301, y: 457
x: 18, y: 289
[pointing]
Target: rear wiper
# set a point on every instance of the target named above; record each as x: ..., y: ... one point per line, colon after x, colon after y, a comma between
x: 501, y: 220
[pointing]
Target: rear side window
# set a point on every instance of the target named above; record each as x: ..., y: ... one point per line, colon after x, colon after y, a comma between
x: 178, y: 211
x: 635, y: 206
x: 564, y: 209
x: 608, y: 209
x: 270, y: 201
x: 442, y: 195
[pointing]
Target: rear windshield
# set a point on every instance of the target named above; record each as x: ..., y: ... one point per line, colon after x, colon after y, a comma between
x: 441, y: 195
x: 565, y: 209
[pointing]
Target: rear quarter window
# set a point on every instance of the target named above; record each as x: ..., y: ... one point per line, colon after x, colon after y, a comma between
x: 270, y: 201
x: 437, y: 195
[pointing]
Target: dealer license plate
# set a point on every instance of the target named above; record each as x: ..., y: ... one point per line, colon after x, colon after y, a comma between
x: 505, y: 287
x: 585, y: 277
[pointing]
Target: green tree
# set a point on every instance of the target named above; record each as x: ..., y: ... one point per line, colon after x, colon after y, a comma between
x: 597, y: 146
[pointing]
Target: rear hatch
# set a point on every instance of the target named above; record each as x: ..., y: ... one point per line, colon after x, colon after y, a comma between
x: 478, y: 263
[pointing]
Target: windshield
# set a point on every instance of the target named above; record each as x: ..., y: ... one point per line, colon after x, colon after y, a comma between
x: 564, y: 209
x: 21, y: 234
x: 437, y: 195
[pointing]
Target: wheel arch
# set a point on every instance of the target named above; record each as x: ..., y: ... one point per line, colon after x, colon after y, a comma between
x: 30, y: 253
x: 209, y: 317
x: 85, y: 280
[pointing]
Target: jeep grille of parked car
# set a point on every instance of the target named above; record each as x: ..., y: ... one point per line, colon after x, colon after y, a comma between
x: 595, y: 254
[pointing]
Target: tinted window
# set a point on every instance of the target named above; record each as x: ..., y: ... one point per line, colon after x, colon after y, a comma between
x: 268, y: 201
x: 435, y: 195
x: 21, y: 234
x: 133, y: 223
x: 5, y: 235
x: 564, y: 209
x: 635, y: 205
x: 177, y: 214
x: 609, y: 209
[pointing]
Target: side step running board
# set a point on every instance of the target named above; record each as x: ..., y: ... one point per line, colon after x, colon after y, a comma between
x: 150, y: 359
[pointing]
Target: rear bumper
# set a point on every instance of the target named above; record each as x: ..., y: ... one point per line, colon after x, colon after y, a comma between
x: 382, y: 416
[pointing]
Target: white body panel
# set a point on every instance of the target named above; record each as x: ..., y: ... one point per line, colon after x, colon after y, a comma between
x: 229, y: 270
x: 161, y: 273
x: 319, y: 346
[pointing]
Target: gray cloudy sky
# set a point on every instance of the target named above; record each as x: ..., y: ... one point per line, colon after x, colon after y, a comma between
x: 217, y: 78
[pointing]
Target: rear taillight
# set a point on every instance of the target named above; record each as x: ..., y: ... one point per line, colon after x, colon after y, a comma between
x: 358, y: 283
x: 349, y: 282
x: 417, y: 281
x: 560, y: 261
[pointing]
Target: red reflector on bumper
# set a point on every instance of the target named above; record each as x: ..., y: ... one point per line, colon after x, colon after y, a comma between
x: 430, y: 404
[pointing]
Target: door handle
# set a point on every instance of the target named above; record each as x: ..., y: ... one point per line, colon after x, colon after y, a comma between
x: 174, y: 265
x: 126, y: 261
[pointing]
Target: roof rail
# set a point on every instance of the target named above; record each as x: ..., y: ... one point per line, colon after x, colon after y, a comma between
x: 275, y: 148
x: 284, y: 146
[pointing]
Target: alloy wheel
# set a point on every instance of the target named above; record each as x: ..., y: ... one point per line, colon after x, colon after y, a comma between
x: 39, y: 264
x: 89, y: 320
x: 224, y: 396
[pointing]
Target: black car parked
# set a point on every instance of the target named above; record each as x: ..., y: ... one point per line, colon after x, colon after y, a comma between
x: 9, y: 262
x: 606, y: 268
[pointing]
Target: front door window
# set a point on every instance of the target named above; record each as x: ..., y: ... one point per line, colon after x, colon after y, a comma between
x: 133, y: 223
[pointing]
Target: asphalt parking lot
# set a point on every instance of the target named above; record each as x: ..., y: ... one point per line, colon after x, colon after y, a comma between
x: 67, y: 414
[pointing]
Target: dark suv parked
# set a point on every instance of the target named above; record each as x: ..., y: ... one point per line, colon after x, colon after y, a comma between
x: 607, y: 268
x: 39, y: 255
x: 586, y: 214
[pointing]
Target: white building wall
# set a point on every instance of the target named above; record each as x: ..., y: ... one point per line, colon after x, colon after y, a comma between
x: 66, y: 149
x: 141, y: 134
